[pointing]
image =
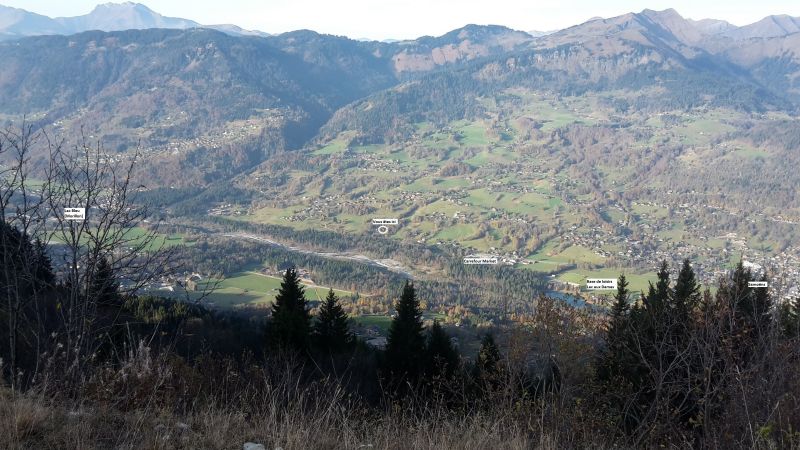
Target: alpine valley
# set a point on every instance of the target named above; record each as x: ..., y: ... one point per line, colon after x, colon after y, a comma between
x: 605, y: 147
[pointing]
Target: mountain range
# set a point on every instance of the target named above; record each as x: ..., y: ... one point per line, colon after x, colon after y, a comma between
x: 16, y: 23
x: 151, y: 85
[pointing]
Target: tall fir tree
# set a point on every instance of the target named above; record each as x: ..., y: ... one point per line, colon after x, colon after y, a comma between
x: 290, y: 325
x: 104, y: 288
x: 658, y: 299
x: 707, y: 305
x: 405, y: 347
x: 104, y: 291
x: 488, y: 360
x: 649, y: 327
x: 26, y: 265
x: 651, y: 320
x: 751, y: 306
x: 331, y: 330
x: 737, y: 292
x: 487, y: 368
x: 44, y: 266
x: 660, y: 306
x: 615, y: 355
x: 619, y: 310
x: 441, y: 357
x: 687, y: 291
x: 685, y: 302
x: 789, y: 314
x: 681, y: 326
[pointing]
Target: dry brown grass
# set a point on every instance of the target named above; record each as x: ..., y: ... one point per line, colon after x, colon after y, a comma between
x: 29, y: 422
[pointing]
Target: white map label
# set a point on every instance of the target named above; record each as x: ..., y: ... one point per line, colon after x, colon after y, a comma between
x: 480, y: 260
x: 74, y: 213
x: 384, y: 221
x: 601, y: 284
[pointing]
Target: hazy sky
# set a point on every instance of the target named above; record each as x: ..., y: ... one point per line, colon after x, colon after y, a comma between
x: 400, y: 19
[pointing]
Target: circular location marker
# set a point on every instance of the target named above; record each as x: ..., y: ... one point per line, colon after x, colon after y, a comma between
x: 383, y: 229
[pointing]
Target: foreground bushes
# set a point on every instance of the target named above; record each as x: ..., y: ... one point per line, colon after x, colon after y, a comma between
x: 139, y: 406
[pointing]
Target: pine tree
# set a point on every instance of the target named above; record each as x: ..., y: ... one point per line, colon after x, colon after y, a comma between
x: 615, y: 355
x: 707, y: 305
x: 405, y: 345
x: 790, y: 318
x: 290, y: 325
x: 659, y: 296
x: 441, y: 357
x: 685, y: 300
x: 44, y: 266
x: 657, y: 318
x: 751, y: 306
x: 104, y: 291
x: 487, y: 363
x: 687, y: 291
x: 738, y: 293
x: 679, y: 351
x: 619, y: 310
x: 331, y: 330
x: 650, y: 321
x: 649, y: 329
x: 25, y: 262
x: 487, y: 369
x: 104, y: 288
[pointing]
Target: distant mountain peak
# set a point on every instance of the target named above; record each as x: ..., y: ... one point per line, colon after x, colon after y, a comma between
x: 677, y: 25
x: 122, y: 6
x: 104, y: 8
x: 462, y: 44
x: 235, y: 30
x: 118, y: 4
x: 16, y: 22
x: 669, y: 12
x: 122, y: 16
x: 712, y: 26
x: 109, y: 16
x: 768, y: 27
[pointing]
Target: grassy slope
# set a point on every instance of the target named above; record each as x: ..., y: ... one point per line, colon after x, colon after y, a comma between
x: 256, y: 289
x: 533, y: 194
